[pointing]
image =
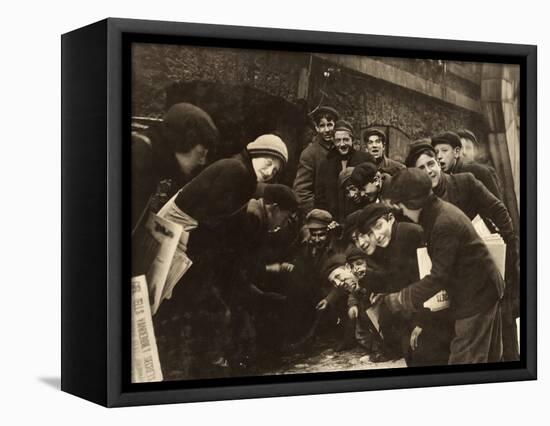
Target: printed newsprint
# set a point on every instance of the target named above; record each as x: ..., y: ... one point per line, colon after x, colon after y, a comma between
x: 497, y: 249
x: 145, y: 357
x: 162, y: 239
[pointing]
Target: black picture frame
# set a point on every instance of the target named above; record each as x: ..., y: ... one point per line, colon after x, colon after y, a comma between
x: 95, y: 234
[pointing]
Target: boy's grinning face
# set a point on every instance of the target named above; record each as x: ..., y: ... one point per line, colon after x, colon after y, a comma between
x: 343, y: 142
x: 352, y: 193
x: 266, y: 167
x: 342, y: 277
x: 318, y: 237
x: 364, y: 242
x: 359, y: 268
x: 382, y: 231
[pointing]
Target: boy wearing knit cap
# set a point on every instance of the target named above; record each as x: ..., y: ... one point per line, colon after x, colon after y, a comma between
x: 461, y: 265
x: 206, y: 206
x: 328, y: 195
x: 308, y: 173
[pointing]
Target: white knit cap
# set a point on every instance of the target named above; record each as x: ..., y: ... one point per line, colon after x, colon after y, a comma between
x: 269, y: 145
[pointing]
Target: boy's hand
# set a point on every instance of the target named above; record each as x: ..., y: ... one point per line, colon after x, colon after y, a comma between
x: 322, y: 305
x: 414, y: 337
x: 376, y: 298
x: 353, y: 312
x: 332, y: 225
x: 287, y: 267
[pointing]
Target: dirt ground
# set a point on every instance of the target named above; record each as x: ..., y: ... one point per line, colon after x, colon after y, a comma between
x: 327, y: 360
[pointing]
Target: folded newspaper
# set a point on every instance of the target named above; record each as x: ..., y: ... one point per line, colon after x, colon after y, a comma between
x: 495, y: 245
x: 145, y: 357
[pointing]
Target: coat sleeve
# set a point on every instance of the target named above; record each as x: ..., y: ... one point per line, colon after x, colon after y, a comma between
x: 335, y: 295
x: 142, y: 182
x: 444, y: 246
x: 304, y: 181
x: 487, y: 176
x: 491, y: 207
x: 321, y: 199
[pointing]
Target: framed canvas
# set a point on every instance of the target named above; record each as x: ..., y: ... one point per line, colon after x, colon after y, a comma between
x: 254, y: 212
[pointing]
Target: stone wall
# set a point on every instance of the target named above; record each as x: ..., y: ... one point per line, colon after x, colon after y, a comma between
x: 362, y: 99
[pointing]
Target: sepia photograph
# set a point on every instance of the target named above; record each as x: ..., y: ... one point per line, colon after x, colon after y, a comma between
x: 302, y: 212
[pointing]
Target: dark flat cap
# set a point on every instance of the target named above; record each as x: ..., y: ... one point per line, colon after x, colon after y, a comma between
x: 467, y: 134
x: 370, y: 214
x: 343, y: 125
x: 354, y: 253
x: 323, y: 111
x: 318, y: 219
x: 351, y: 223
x: 185, y: 122
x: 282, y: 195
x: 410, y: 184
x: 416, y: 149
x: 449, y: 138
x: 363, y: 174
x: 331, y: 263
x: 374, y: 132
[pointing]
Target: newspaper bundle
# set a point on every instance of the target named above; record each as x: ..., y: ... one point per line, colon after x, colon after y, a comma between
x: 495, y: 245
x: 161, y: 261
x: 145, y: 357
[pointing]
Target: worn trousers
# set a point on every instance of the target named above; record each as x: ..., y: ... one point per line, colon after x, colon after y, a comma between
x: 478, y: 338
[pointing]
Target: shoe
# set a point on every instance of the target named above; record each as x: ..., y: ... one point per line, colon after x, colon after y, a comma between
x: 379, y: 356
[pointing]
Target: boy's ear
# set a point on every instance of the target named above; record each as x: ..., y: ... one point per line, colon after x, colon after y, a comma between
x: 391, y: 217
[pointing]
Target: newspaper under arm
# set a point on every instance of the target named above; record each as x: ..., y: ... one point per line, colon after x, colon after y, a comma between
x: 493, y: 242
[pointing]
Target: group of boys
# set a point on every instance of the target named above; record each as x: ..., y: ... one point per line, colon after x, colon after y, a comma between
x: 389, y: 211
x: 337, y: 254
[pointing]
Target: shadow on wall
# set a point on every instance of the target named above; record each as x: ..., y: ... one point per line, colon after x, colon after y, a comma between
x: 242, y: 113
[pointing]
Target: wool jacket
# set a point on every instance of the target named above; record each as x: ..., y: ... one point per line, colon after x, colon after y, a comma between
x: 150, y: 164
x: 219, y: 191
x: 472, y: 197
x: 486, y: 175
x: 308, y: 173
x: 461, y: 263
x: 389, y: 166
x: 328, y: 194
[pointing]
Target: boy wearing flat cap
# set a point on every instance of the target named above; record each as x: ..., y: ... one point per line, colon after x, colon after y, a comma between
x: 448, y: 148
x: 366, y: 333
x: 308, y: 174
x: 306, y: 290
x: 374, y: 184
x: 473, y: 198
x: 461, y: 265
x: 376, y: 146
x: 397, y: 265
x: 328, y: 195
x: 336, y: 271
